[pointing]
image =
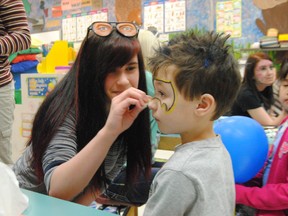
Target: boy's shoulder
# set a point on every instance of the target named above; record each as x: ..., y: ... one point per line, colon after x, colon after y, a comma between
x: 196, y: 155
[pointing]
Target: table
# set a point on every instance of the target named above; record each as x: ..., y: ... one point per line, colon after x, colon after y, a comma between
x: 163, y: 155
x: 169, y: 141
x: 43, y: 205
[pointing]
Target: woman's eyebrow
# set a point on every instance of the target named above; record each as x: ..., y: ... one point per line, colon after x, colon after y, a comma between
x: 132, y: 63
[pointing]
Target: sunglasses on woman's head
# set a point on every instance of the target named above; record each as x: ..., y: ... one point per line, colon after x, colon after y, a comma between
x: 104, y: 29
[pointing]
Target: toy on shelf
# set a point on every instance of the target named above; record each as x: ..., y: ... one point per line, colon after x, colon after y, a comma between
x: 57, y: 56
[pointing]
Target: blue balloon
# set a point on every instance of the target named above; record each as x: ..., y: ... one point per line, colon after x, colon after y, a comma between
x: 247, y: 144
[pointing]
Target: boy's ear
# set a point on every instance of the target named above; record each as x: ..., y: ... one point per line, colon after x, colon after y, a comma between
x: 206, y: 105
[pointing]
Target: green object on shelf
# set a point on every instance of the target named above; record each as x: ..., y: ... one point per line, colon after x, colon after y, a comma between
x: 18, y: 96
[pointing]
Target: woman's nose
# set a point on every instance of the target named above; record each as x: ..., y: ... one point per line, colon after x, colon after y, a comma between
x: 271, y: 70
x: 122, y: 79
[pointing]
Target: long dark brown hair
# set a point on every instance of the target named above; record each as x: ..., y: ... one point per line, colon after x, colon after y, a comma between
x: 82, y: 90
x: 248, y: 80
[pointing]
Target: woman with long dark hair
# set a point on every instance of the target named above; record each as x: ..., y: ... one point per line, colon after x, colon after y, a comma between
x: 93, y: 122
x: 255, y: 97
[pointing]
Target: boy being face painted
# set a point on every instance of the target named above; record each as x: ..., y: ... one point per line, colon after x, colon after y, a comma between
x: 196, y: 79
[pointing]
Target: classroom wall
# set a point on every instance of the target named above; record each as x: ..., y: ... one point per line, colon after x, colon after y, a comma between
x: 200, y: 13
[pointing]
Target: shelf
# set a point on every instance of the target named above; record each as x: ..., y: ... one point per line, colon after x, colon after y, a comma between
x: 265, y: 49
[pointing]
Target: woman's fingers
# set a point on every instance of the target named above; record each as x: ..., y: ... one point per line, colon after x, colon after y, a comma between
x: 132, y: 93
x: 125, y: 108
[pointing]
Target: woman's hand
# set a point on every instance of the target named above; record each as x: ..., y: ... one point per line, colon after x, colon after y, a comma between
x: 88, y: 160
x: 124, y: 109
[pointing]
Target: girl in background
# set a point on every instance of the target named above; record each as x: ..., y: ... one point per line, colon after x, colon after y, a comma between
x: 255, y: 97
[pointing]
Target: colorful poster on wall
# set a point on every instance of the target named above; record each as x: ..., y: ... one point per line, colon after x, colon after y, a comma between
x: 74, y: 28
x: 56, y: 11
x: 175, y: 15
x: 40, y: 86
x: 86, y: 3
x: 69, y: 30
x: 99, y: 15
x: 228, y: 17
x: 35, y: 87
x: 71, y: 4
x: 83, y: 21
x: 154, y: 15
x: 65, y: 5
x: 97, y: 4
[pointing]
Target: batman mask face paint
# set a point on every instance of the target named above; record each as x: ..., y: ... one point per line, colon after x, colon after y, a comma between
x: 165, y: 94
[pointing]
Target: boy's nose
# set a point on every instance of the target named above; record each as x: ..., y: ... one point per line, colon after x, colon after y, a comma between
x: 152, y: 105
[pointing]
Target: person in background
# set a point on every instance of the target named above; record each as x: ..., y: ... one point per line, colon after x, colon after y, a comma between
x: 149, y: 43
x: 93, y: 122
x: 267, y: 192
x: 14, y: 36
x: 196, y: 80
x: 256, y: 94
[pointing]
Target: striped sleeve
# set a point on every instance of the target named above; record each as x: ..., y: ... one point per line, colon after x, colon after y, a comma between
x: 61, y: 148
x: 14, y: 30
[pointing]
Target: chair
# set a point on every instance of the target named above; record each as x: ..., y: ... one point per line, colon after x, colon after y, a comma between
x: 130, y: 210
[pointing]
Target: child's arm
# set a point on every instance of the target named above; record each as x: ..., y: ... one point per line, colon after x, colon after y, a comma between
x: 269, y: 197
x: 263, y: 117
x: 257, y: 180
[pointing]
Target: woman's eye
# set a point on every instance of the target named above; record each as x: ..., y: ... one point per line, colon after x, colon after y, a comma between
x: 131, y: 68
